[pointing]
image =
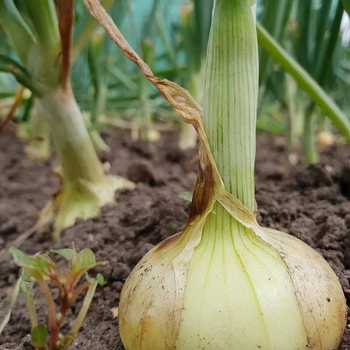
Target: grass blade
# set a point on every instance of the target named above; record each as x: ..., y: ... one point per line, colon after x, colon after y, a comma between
x: 306, y: 82
x: 16, y: 290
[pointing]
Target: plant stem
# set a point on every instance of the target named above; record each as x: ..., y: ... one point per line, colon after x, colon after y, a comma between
x: 97, y: 140
x: 290, y: 113
x: 51, y: 310
x: 99, y: 98
x: 230, y: 96
x: 309, y: 140
x: 32, y: 312
x: 80, y: 319
x: 73, y: 144
x: 85, y: 187
x: 97, y: 65
x: 78, y: 291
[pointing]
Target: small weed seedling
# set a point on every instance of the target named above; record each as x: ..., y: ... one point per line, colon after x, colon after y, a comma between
x: 41, y: 269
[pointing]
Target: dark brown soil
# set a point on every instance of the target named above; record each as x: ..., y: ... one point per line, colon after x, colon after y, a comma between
x: 312, y: 203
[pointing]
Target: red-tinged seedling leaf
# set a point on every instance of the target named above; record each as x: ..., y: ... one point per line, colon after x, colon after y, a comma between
x: 66, y: 279
x: 67, y: 253
x: 85, y: 261
x: 38, y: 266
x: 39, y: 336
x: 7, y: 317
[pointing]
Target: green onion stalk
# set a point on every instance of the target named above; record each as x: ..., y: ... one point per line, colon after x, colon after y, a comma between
x: 225, y: 282
x: 145, y: 116
x: 314, y: 79
x: 39, y: 136
x: 42, y: 40
x: 97, y: 66
x: 145, y: 110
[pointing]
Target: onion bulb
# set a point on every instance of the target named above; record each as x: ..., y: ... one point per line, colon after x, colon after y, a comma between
x: 223, y: 285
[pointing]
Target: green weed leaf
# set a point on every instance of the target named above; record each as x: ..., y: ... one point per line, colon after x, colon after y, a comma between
x: 66, y: 253
x: 37, y: 266
x: 39, y: 336
x: 187, y: 196
x: 85, y: 260
x: 20, y: 258
x: 100, y: 279
x: 27, y: 283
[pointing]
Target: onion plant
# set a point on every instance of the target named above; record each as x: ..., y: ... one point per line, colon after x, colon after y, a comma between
x: 35, y: 129
x: 313, y: 37
x: 225, y: 282
x: 42, y: 41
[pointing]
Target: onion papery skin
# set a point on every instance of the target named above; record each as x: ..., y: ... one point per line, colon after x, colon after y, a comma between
x: 223, y: 286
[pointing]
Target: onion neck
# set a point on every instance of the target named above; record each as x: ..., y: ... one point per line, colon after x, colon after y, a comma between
x: 230, y: 96
x: 71, y: 138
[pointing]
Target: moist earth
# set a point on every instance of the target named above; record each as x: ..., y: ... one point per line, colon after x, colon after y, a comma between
x: 309, y: 202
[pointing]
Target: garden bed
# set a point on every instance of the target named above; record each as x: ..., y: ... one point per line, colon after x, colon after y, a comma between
x: 312, y: 203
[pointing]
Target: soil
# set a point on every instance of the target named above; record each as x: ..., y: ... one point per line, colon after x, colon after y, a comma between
x: 309, y: 202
